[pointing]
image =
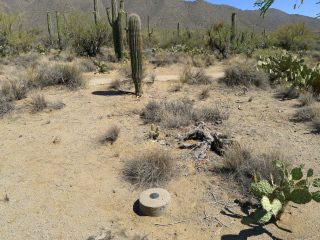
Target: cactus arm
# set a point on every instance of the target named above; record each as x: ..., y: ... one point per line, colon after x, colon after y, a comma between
x: 120, y: 33
x: 96, y: 11
x: 114, y: 10
x: 109, y: 16
x: 59, y: 29
x: 49, y: 25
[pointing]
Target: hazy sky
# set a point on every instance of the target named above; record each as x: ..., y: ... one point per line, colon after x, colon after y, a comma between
x: 308, y: 8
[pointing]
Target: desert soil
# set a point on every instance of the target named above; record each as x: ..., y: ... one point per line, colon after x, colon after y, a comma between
x: 61, y: 183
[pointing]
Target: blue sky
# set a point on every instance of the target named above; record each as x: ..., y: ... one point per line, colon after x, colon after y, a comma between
x: 308, y: 8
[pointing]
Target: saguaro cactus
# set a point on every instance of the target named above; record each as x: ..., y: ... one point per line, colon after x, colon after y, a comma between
x: 149, y: 33
x: 49, y: 26
x: 59, y: 29
x: 135, y: 45
x: 233, y: 27
x: 96, y: 11
x: 178, y: 29
x: 114, y: 16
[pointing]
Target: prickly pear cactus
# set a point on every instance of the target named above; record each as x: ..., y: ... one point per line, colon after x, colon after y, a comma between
x: 274, y: 199
x: 135, y: 46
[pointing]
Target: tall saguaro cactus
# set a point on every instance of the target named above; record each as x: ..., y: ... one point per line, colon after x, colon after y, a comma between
x: 59, y: 29
x: 149, y: 33
x: 49, y: 26
x: 135, y: 46
x: 178, y: 29
x: 96, y: 11
x: 233, y: 27
x: 115, y: 21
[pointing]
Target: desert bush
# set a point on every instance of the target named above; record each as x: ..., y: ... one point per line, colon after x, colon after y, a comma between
x: 316, y: 123
x: 59, y: 74
x: 30, y: 59
x: 14, y: 88
x: 216, y: 114
x: 306, y: 99
x: 204, y: 94
x: 169, y: 114
x: 245, y: 165
x: 175, y: 114
x: 63, y: 56
x: 218, y: 38
x: 243, y: 71
x: 5, y: 106
x: 115, y: 84
x: 111, y: 135
x: 305, y: 114
x: 153, y: 168
x: 287, y: 93
x: 195, y: 77
x: 37, y: 103
x: 86, y: 65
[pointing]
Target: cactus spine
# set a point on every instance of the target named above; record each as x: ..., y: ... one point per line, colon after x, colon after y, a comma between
x: 233, y: 27
x: 149, y: 33
x: 114, y: 16
x: 135, y: 45
x: 59, y: 29
x: 96, y: 11
x: 49, y: 26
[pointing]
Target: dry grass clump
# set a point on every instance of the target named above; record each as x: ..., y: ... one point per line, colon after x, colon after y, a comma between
x: 37, y: 103
x: 86, y: 65
x: 59, y: 74
x: 5, y: 106
x: 169, y: 114
x: 245, y: 165
x: 306, y: 114
x: 287, y: 93
x: 216, y: 114
x: 204, y: 94
x: 64, y: 56
x: 153, y: 168
x: 115, y: 84
x: 243, y: 71
x: 111, y: 135
x: 14, y: 88
x: 316, y: 123
x: 26, y: 59
x: 195, y: 77
x: 202, y: 61
x: 306, y: 99
x: 175, y: 114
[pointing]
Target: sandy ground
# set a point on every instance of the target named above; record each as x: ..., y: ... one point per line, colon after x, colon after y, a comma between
x: 63, y: 184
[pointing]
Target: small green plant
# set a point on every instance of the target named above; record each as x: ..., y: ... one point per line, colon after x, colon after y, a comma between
x: 101, y: 66
x: 154, y: 132
x: 274, y: 199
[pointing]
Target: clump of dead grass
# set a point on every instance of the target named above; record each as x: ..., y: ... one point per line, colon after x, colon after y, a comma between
x: 59, y: 74
x: 245, y: 165
x: 306, y: 99
x: 153, y: 168
x: 111, y: 135
x: 195, y: 77
x: 204, y: 94
x: 37, y: 103
x: 5, y: 106
x: 287, y: 93
x: 306, y: 114
x: 243, y: 71
x: 316, y: 123
x: 175, y: 114
x: 14, y: 88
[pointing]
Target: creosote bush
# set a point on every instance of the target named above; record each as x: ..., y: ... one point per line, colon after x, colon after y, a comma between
x: 241, y: 161
x: 153, y: 168
x: 243, y: 71
x: 111, y: 135
x: 175, y: 114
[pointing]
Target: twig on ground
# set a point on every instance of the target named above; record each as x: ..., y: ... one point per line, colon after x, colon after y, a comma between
x: 163, y: 225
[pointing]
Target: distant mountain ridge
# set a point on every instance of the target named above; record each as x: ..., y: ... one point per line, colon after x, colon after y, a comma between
x: 163, y: 13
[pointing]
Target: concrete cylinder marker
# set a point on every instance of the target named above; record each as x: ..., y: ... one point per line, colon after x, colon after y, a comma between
x: 154, y: 202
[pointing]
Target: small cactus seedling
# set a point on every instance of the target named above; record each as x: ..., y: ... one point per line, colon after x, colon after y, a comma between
x: 274, y: 199
x: 154, y: 132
